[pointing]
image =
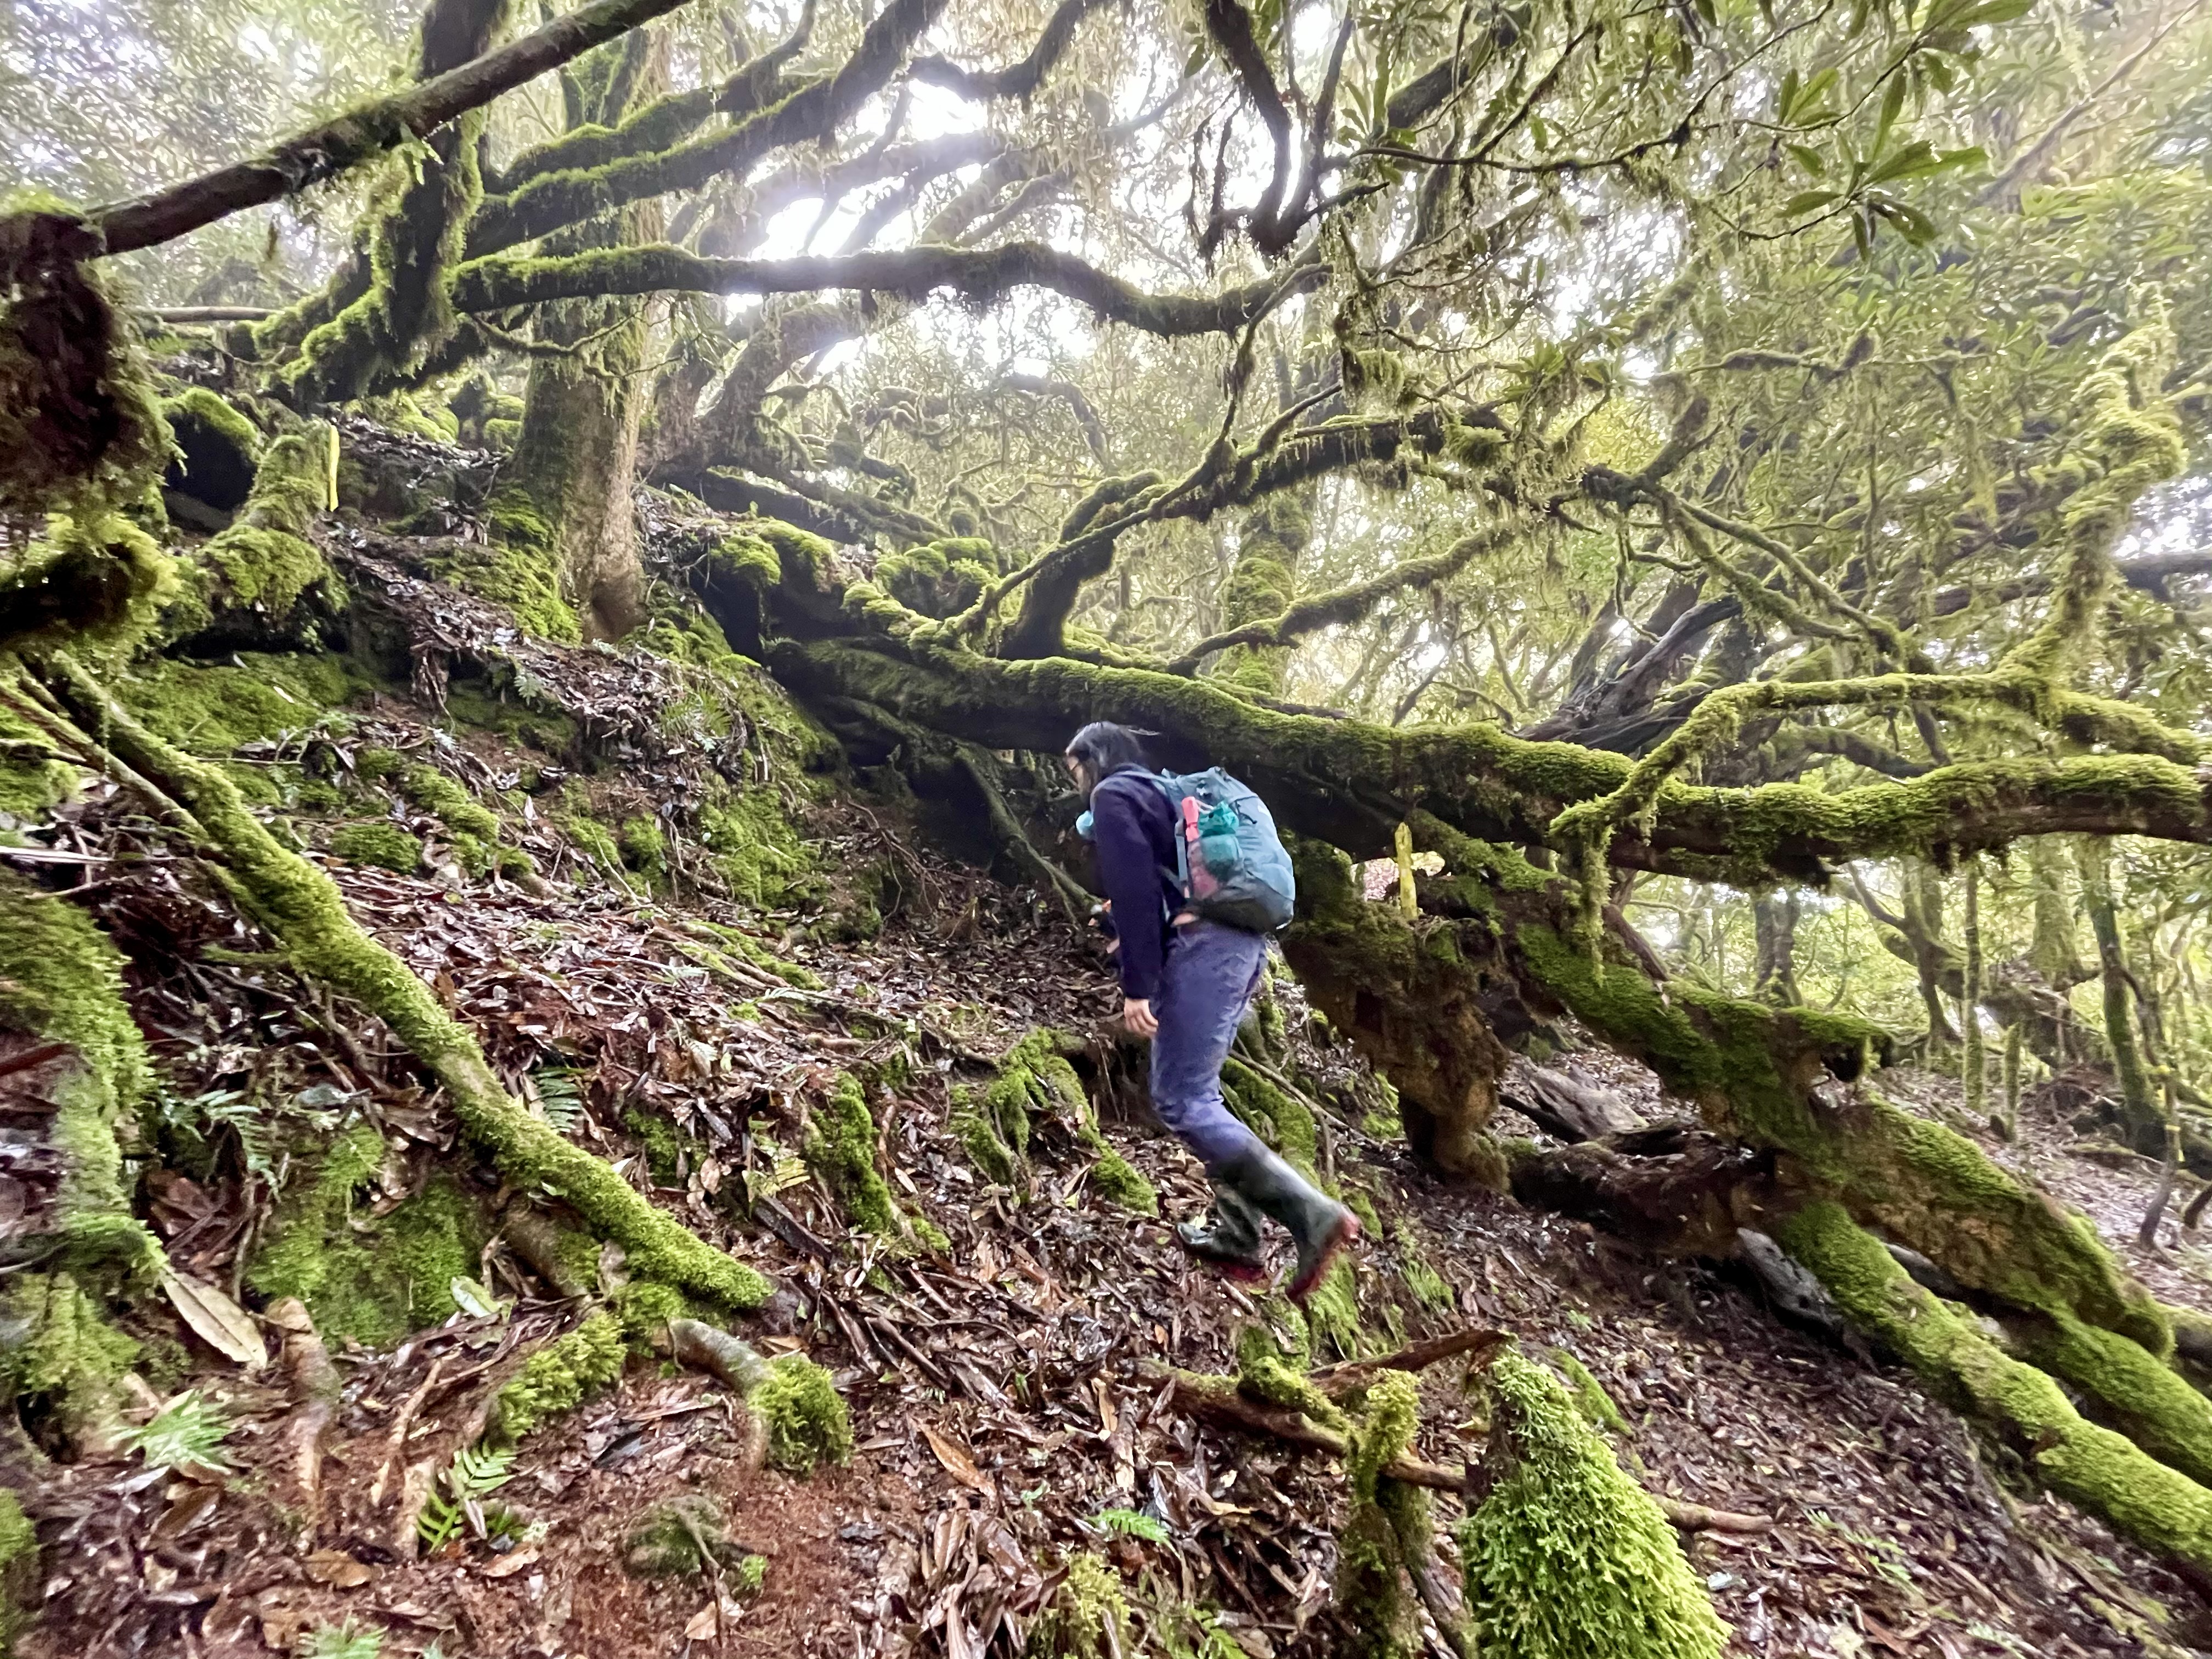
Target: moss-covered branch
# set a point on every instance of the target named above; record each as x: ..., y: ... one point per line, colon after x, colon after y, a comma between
x: 978, y: 275
x: 1015, y: 80
x: 303, y: 910
x: 263, y: 562
x: 333, y: 147
x: 812, y: 111
x: 1350, y: 783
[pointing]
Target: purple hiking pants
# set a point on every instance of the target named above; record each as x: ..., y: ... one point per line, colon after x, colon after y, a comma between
x: 1206, y: 984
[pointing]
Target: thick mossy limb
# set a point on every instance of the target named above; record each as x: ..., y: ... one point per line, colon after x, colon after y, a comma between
x: 840, y: 1147
x: 61, y: 981
x: 2104, y: 1472
x: 1388, y: 1532
x: 1567, y: 1557
x: 1764, y: 1076
x: 303, y: 909
x: 1270, y: 1370
x: 805, y: 1417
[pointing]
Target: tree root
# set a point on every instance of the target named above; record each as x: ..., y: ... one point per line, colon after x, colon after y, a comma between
x: 303, y: 909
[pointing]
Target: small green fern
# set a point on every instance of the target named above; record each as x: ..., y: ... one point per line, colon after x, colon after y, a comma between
x: 477, y: 1473
x: 190, y: 1430
x: 1127, y: 1523
x: 346, y: 1640
x: 560, y: 1097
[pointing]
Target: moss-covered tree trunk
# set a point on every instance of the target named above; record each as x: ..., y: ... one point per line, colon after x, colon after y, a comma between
x: 563, y: 525
x: 1262, y: 585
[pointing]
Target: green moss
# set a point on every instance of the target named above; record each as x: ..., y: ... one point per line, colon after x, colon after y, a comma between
x: 1333, y: 1311
x: 209, y: 709
x: 562, y: 1376
x: 992, y: 1122
x: 99, y: 583
x: 841, y: 1146
x: 596, y: 841
x: 62, y: 981
x: 665, y: 1147
x: 1117, y: 1180
x: 1567, y: 1557
x: 2104, y: 1472
x: 757, y: 851
x: 1074, y: 1622
x: 1271, y: 1369
x: 1427, y: 1286
x: 680, y: 1538
x: 63, y: 1348
x: 1590, y: 1396
x: 19, y: 1568
x: 218, y: 447
x: 1276, y: 1117
x: 517, y: 568
x: 382, y: 843
x: 644, y: 849
x: 447, y: 800
x: 806, y: 1419
x: 302, y: 908
x: 372, y: 1284
x: 34, y: 777
x: 1387, y: 1526
x: 263, y: 561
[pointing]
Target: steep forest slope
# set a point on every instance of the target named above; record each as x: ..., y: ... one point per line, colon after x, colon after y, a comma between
x: 395, y: 1396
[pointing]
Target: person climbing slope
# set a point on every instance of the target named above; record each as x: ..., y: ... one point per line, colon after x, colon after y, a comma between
x: 1196, y: 880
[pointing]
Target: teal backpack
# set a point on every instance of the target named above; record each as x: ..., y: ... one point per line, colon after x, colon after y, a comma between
x: 1229, y: 862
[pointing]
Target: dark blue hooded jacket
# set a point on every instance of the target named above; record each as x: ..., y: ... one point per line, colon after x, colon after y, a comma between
x: 1134, y: 829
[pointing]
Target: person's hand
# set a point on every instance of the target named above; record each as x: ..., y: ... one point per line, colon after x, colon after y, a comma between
x: 1136, y: 1015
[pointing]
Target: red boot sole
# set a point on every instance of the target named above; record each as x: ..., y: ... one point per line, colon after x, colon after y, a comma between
x: 1346, y: 1231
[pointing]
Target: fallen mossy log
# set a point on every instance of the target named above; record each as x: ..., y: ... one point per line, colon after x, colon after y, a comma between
x: 303, y: 909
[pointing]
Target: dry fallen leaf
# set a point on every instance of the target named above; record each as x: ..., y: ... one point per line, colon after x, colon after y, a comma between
x: 215, y: 1319
x: 958, y: 1464
x: 512, y: 1563
x: 338, y: 1570
x: 705, y: 1625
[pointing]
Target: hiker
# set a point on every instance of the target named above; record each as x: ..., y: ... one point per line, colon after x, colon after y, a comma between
x: 1187, y: 979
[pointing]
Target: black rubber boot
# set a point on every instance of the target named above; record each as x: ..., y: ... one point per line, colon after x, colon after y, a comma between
x: 1317, y: 1223
x: 1229, y: 1236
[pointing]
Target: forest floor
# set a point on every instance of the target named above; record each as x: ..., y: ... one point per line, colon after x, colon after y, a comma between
x: 998, y: 1402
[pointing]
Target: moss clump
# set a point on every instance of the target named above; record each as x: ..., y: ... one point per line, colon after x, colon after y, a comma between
x: 1276, y: 1117
x: 451, y: 805
x: 1567, y: 1557
x: 374, y: 1286
x: 992, y: 1122
x: 806, y: 1419
x: 562, y: 1375
x: 644, y: 849
x: 1590, y: 1396
x: 518, y: 568
x: 383, y: 844
x: 1388, y: 1527
x: 665, y: 1147
x: 1073, y: 1625
x: 34, y: 777
x: 264, y: 561
x: 682, y: 1537
x: 64, y: 1347
x: 596, y: 843
x: 61, y: 981
x: 97, y: 581
x: 1271, y: 1369
x: 19, y: 1566
x: 1333, y: 1311
x: 214, y: 709
x: 840, y: 1147
x: 757, y: 851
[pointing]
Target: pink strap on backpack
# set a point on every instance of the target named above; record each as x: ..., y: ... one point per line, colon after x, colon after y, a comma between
x: 1201, y: 878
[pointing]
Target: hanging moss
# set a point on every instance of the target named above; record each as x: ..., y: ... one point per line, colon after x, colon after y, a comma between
x: 1567, y: 1557
x: 805, y: 1417
x: 62, y: 981
x: 841, y: 1146
x: 1388, y: 1527
x: 562, y: 1376
x: 1074, y: 1622
x: 383, y: 844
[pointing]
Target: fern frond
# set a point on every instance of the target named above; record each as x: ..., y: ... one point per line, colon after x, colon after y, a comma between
x: 190, y: 1430
x: 1127, y: 1523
